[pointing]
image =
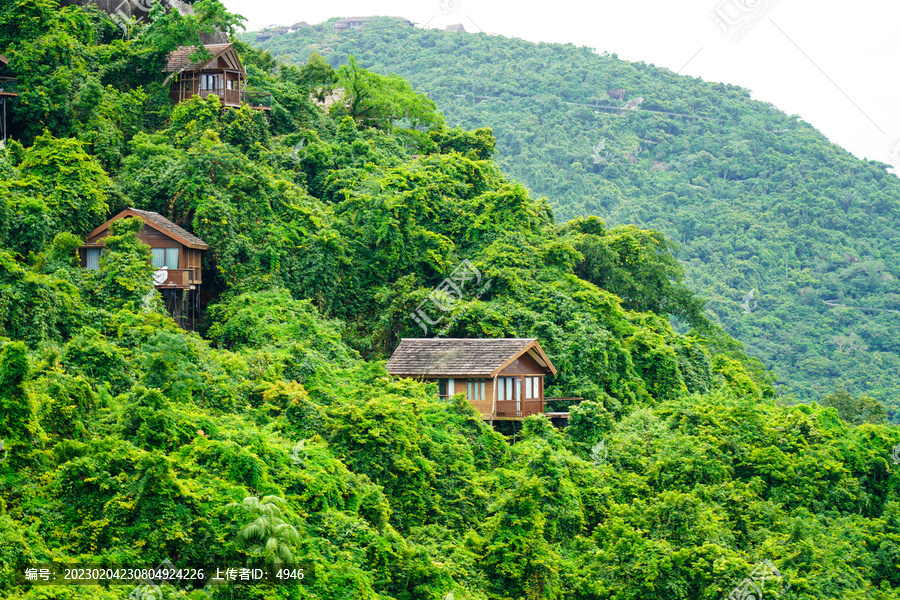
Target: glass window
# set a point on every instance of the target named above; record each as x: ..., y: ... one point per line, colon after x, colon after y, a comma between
x: 509, y: 389
x: 93, y: 258
x: 158, y: 260
x: 475, y: 389
x: 172, y: 258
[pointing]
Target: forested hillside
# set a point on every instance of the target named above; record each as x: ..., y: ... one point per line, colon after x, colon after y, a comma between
x: 771, y: 218
x: 274, y: 435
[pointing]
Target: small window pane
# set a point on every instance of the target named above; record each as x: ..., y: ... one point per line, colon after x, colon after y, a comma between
x: 93, y: 258
x: 172, y: 258
x: 159, y: 257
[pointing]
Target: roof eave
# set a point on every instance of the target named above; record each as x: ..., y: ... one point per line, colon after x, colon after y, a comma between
x: 128, y: 212
x: 441, y: 375
x: 532, y: 345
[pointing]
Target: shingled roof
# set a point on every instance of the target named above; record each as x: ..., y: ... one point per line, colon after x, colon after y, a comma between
x: 161, y: 224
x: 456, y: 357
x: 179, y: 60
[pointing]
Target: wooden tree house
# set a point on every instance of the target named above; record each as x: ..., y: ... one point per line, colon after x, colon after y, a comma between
x: 176, y: 255
x: 503, y: 378
x: 223, y: 76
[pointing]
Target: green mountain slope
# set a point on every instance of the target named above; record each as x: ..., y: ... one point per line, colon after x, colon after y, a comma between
x: 772, y: 220
x: 274, y: 433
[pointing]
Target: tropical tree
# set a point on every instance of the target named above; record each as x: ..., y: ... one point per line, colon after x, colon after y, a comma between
x: 268, y: 536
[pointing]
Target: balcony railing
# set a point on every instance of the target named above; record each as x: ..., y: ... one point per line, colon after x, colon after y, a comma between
x: 9, y: 86
x: 174, y: 278
x: 560, y: 405
x: 228, y: 97
x: 257, y: 100
x: 519, y: 410
x: 234, y: 98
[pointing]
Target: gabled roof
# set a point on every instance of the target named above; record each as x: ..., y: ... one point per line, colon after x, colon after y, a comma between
x: 457, y: 357
x: 455, y: 27
x: 179, y: 60
x: 159, y: 223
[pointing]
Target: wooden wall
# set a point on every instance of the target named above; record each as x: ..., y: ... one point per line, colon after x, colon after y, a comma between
x: 188, y: 258
x: 524, y: 365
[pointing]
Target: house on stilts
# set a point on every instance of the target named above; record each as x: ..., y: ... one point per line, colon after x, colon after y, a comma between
x: 176, y: 254
x: 503, y: 378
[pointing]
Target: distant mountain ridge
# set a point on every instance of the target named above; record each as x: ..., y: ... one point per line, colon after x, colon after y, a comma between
x: 757, y: 199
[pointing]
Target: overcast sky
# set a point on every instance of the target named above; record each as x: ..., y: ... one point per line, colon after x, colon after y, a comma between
x: 832, y: 63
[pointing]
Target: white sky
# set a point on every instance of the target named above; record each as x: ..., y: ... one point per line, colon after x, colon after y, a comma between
x: 832, y: 63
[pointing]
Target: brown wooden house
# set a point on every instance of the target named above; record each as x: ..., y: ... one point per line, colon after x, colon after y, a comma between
x: 223, y: 76
x: 176, y: 253
x: 502, y: 378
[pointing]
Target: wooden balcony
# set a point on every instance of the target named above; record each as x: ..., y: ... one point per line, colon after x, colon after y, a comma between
x: 234, y: 98
x: 9, y: 87
x: 257, y: 100
x: 176, y: 279
x: 510, y: 409
x: 228, y: 97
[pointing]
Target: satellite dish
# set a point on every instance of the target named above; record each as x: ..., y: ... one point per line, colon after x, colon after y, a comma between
x: 160, y: 276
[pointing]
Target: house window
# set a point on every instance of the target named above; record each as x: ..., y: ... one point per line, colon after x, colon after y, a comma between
x: 509, y: 389
x: 533, y: 388
x: 93, y: 258
x: 442, y: 388
x: 164, y: 257
x: 210, y: 82
x: 475, y: 389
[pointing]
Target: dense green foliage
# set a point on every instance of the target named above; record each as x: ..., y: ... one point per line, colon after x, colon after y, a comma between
x: 274, y: 434
x: 770, y: 217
